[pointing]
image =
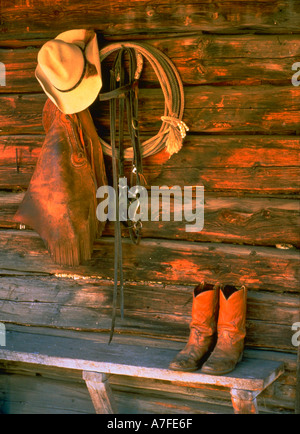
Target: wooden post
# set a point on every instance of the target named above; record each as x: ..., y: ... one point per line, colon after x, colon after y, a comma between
x: 100, y: 392
x: 244, y: 401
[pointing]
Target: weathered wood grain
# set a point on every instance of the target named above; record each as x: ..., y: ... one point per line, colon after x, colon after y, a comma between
x: 264, y: 165
x: 27, y: 19
x: 226, y: 110
x: 18, y: 159
x: 280, y: 395
x: 137, y: 361
x: 20, y: 67
x: 241, y: 220
x: 62, y: 397
x: 21, y: 113
x: 85, y: 304
x: 259, y: 180
x: 100, y: 392
x: 71, y: 397
x: 267, y: 180
x: 209, y: 109
x: 164, y: 261
x: 202, y: 59
x: 67, y: 394
x: 245, y: 53
x: 207, y: 151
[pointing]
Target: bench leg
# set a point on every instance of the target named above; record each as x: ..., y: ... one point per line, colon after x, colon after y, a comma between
x: 244, y: 401
x: 100, y: 392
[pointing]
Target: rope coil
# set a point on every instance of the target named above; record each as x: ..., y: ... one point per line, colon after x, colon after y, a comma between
x: 173, y: 129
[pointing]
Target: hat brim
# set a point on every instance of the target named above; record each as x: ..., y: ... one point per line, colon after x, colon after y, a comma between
x: 87, y: 91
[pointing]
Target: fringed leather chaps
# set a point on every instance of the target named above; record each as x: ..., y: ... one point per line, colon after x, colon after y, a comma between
x: 60, y: 203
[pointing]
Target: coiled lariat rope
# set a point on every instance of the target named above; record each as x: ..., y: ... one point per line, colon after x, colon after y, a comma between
x: 173, y: 129
x: 124, y: 88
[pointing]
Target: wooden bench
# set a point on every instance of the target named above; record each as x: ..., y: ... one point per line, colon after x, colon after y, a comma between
x: 98, y: 361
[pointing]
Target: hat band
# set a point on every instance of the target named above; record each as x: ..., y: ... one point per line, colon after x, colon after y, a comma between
x: 80, y: 80
x: 88, y: 70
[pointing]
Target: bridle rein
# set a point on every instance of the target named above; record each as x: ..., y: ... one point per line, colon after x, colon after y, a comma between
x: 124, y: 88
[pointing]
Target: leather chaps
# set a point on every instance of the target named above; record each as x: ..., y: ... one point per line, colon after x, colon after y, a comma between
x: 60, y: 203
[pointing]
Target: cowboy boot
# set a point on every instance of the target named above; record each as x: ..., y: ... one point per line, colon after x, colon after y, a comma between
x: 60, y: 202
x: 202, y: 329
x: 231, y: 332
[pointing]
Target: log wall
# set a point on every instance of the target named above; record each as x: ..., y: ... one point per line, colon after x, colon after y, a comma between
x: 235, y: 59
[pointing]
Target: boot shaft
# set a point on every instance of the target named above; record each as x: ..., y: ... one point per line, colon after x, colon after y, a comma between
x: 232, y: 314
x: 205, y: 308
x: 231, y: 332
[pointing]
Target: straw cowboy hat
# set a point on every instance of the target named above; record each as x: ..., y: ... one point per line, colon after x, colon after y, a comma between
x: 69, y: 70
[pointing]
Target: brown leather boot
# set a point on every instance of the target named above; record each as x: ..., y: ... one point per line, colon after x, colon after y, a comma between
x: 231, y: 332
x: 60, y: 203
x: 202, y: 329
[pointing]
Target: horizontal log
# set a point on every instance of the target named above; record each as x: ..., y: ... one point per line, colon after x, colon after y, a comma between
x: 207, y: 151
x: 240, y: 220
x: 164, y: 261
x: 21, y: 114
x: 226, y: 110
x: 25, y: 394
x: 254, y: 221
x: 260, y: 164
x: 86, y: 305
x: 201, y: 59
x: 28, y: 20
x: 18, y: 159
x: 19, y: 70
x: 208, y: 109
x: 258, y: 180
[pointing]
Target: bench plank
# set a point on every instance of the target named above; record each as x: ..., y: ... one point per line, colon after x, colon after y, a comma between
x: 133, y: 360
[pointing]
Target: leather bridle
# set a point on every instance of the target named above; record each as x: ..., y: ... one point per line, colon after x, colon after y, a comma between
x: 124, y: 89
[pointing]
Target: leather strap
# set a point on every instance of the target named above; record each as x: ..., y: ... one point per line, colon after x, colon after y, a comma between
x: 173, y: 129
x: 170, y: 135
x: 130, y: 102
x: 115, y: 93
